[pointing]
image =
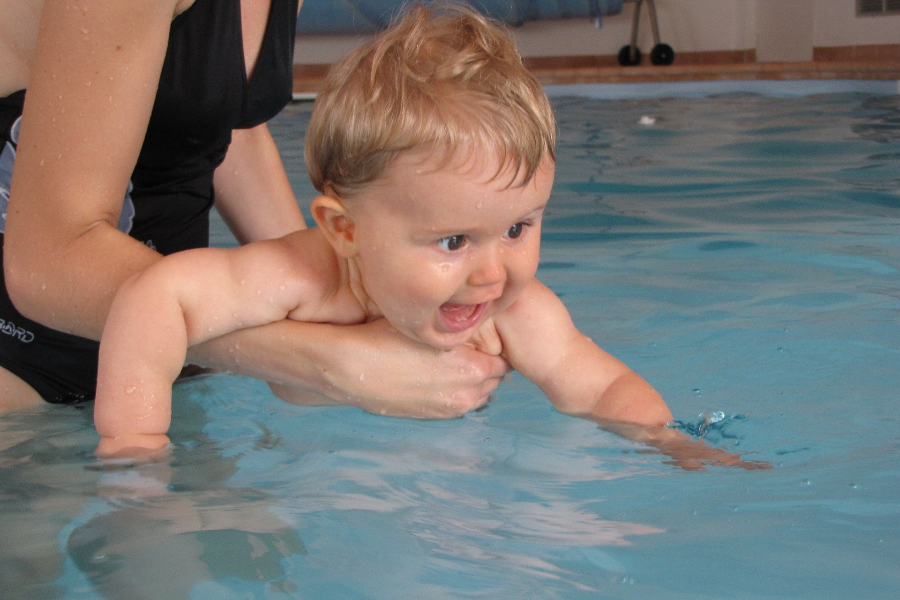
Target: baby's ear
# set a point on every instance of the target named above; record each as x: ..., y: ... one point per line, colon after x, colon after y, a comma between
x: 333, y: 218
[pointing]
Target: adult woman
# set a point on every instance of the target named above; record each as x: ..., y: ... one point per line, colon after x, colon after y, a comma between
x: 138, y: 100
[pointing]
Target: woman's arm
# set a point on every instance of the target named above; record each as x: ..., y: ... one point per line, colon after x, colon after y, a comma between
x: 92, y: 86
x: 253, y: 194
x: 370, y: 366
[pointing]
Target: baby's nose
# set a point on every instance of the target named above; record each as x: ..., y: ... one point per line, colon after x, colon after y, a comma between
x: 489, y: 269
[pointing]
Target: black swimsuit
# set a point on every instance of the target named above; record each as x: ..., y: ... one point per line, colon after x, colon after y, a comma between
x: 203, y: 95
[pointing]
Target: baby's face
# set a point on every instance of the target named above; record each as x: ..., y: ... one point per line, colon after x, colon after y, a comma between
x: 442, y: 248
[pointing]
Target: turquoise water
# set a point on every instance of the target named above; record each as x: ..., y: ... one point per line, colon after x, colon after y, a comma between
x: 741, y: 253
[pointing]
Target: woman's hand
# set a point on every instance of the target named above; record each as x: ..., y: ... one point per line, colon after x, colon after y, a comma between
x: 370, y: 366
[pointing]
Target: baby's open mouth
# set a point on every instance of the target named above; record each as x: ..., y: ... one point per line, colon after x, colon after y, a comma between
x: 458, y: 317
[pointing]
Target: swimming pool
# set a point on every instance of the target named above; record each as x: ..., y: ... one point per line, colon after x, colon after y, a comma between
x: 740, y: 250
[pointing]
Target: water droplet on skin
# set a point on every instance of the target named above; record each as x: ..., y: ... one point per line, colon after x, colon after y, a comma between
x: 130, y: 390
x: 362, y: 376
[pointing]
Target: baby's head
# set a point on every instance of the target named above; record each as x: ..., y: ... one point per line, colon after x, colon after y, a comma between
x: 433, y: 148
x: 442, y: 79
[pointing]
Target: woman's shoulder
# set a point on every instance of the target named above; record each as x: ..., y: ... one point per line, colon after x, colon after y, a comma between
x: 19, y: 28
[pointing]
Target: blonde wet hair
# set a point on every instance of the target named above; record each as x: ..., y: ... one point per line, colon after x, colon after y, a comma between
x: 442, y: 78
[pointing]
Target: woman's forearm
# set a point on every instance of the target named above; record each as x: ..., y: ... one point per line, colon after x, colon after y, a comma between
x: 370, y: 366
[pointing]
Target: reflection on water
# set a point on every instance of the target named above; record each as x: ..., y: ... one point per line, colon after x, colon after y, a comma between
x: 149, y: 531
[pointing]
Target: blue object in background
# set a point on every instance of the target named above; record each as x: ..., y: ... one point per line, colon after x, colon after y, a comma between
x: 366, y: 16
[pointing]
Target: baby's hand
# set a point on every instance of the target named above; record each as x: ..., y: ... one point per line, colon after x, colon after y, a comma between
x: 138, y: 446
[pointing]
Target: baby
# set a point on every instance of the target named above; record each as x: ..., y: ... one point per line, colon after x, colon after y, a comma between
x: 433, y: 149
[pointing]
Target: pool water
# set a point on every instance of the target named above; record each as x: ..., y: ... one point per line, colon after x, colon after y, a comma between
x: 739, y: 250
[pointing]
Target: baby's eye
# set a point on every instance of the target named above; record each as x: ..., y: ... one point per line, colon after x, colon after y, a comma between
x: 452, y: 243
x: 515, y: 231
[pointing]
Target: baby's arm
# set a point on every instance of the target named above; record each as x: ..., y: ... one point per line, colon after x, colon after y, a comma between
x: 184, y: 299
x: 541, y: 342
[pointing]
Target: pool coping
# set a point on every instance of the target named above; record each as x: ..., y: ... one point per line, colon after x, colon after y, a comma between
x: 701, y: 89
x: 696, y: 80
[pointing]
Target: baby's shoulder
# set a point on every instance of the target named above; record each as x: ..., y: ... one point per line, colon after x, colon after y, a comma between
x: 320, y: 279
x: 535, y: 318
